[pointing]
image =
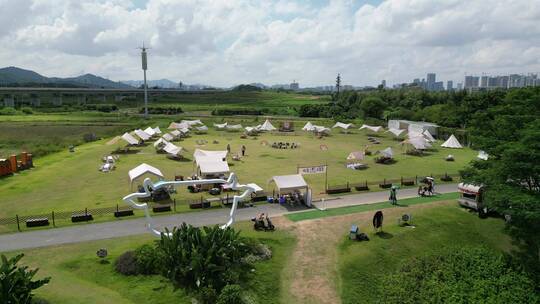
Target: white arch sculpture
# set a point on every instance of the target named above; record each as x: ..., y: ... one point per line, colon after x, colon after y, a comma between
x: 232, y: 181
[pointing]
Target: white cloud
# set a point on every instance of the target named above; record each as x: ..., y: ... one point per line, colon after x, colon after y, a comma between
x: 225, y: 42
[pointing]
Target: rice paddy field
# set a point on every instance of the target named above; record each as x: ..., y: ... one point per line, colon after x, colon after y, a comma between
x: 67, y: 181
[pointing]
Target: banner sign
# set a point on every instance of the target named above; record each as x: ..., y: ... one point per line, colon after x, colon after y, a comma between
x: 312, y: 170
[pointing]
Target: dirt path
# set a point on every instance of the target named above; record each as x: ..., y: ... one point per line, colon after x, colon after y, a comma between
x: 313, y: 268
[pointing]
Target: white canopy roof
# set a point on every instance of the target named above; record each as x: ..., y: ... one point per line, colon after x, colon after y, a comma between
x: 428, y: 136
x: 192, y: 122
x: 343, y: 125
x: 387, y: 152
x: 130, y: 139
x: 482, y: 155
x: 396, y: 132
x: 143, y: 169
x: 320, y: 129
x: 160, y: 141
x: 201, y: 128
x: 172, y: 149
x: 220, y: 126
x: 168, y: 137
x: 452, y: 142
x: 213, y: 167
x: 419, y: 143
x: 176, y: 125
x: 157, y: 130
x: 266, y: 126
x: 175, y: 133
x: 356, y: 155
x: 234, y: 127
x: 308, y: 126
x: 150, y: 131
x: 290, y: 182
x: 372, y: 128
x: 250, y: 129
x: 255, y: 187
x: 204, y: 155
x: 142, y: 135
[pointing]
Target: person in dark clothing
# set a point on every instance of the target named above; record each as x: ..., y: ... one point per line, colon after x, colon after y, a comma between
x: 243, y: 150
x: 393, y: 196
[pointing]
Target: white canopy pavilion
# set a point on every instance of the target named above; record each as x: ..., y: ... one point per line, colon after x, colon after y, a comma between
x: 220, y: 126
x: 192, y: 123
x: 201, y: 129
x: 178, y: 126
x: 372, y: 128
x: 168, y: 137
x: 234, y: 127
x: 132, y: 141
x: 141, y: 170
x: 308, y: 126
x: 141, y: 134
x: 344, y: 126
x: 387, y: 152
x: 150, y: 131
x: 396, y: 132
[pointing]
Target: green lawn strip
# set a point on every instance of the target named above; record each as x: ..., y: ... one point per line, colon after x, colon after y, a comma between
x: 363, y: 265
x: 309, y: 215
x: 77, y: 267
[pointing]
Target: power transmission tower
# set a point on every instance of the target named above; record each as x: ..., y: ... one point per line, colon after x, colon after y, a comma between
x: 144, y: 60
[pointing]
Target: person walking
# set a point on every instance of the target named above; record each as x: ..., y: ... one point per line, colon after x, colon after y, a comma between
x: 393, y: 196
x: 228, y: 148
x: 243, y: 150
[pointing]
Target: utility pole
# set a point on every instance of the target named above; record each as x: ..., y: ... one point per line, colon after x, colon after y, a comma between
x: 145, y: 67
x: 338, y: 83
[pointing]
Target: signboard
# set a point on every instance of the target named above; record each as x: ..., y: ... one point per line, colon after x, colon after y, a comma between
x: 312, y: 170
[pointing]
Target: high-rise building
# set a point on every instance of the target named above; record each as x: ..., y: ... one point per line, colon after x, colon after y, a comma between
x: 431, y: 78
x: 460, y: 86
x: 294, y: 86
x: 383, y: 83
x: 449, y: 85
x: 471, y: 82
x: 484, y: 82
x: 503, y: 82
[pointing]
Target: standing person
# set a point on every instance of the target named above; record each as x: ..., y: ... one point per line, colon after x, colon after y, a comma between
x: 243, y: 150
x: 228, y: 148
x: 393, y: 196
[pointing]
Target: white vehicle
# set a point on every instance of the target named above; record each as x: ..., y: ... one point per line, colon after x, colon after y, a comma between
x: 471, y: 197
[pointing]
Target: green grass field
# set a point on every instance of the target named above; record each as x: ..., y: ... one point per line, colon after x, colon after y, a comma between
x: 362, y: 265
x: 70, y: 181
x: 78, y: 277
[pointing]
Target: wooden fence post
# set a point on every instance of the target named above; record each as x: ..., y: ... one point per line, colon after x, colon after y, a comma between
x: 18, y: 226
x: 53, y: 222
x: 174, y: 204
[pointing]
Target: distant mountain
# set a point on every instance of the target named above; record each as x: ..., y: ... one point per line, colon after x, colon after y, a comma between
x: 162, y: 83
x: 22, y: 77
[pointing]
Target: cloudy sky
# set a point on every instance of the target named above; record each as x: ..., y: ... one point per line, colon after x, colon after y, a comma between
x: 227, y: 42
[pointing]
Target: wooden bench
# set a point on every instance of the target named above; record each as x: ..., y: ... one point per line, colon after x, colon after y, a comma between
x: 121, y: 213
x: 407, y: 182
x: 338, y: 189
x: 360, y: 187
x: 199, y: 205
x: 163, y: 208
x: 385, y: 186
x: 81, y: 217
x: 37, y: 222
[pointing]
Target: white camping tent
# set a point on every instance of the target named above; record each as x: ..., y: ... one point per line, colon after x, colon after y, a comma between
x: 191, y: 123
x: 176, y: 125
x: 220, y: 126
x: 130, y: 139
x: 419, y: 143
x: 308, y: 126
x: 150, y: 131
x: 201, y: 154
x: 141, y: 134
x: 213, y: 167
x: 482, y: 155
x: 202, y: 129
x: 387, y: 152
x: 266, y: 126
x: 372, y: 128
x: 172, y: 149
x: 356, y: 155
x: 176, y: 133
x: 251, y: 130
x: 157, y: 130
x: 234, y: 127
x: 452, y: 142
x: 396, y: 132
x: 428, y: 136
x: 320, y: 129
x: 141, y: 170
x: 289, y: 183
x: 168, y: 137
x: 160, y: 142
x: 344, y: 126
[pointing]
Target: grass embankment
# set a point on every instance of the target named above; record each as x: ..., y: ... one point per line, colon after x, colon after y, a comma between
x: 71, y: 181
x: 78, y: 276
x: 314, y: 214
x: 362, y: 265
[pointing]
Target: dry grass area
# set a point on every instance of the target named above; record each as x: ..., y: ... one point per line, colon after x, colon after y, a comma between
x: 313, y: 268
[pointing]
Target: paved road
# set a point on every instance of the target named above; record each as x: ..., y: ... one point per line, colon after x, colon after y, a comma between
x: 127, y: 227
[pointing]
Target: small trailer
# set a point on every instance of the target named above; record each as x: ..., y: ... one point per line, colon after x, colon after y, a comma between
x: 471, y: 197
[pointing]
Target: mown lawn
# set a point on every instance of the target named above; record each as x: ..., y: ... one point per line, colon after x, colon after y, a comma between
x: 362, y: 265
x: 78, y: 277
x: 71, y: 181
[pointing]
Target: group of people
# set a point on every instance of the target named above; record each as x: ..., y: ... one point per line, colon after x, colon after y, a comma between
x: 284, y: 145
x: 428, y: 189
x: 242, y: 149
x: 262, y: 222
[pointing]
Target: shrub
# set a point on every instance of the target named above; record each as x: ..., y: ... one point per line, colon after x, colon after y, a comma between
x: 231, y: 294
x: 196, y: 257
x: 8, y: 111
x: 464, y: 275
x: 27, y: 110
x: 148, y: 260
x: 207, y: 295
x: 225, y: 112
x: 126, y: 263
x: 16, y: 283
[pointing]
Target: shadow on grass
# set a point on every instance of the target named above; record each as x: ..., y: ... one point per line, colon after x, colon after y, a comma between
x: 384, y: 235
